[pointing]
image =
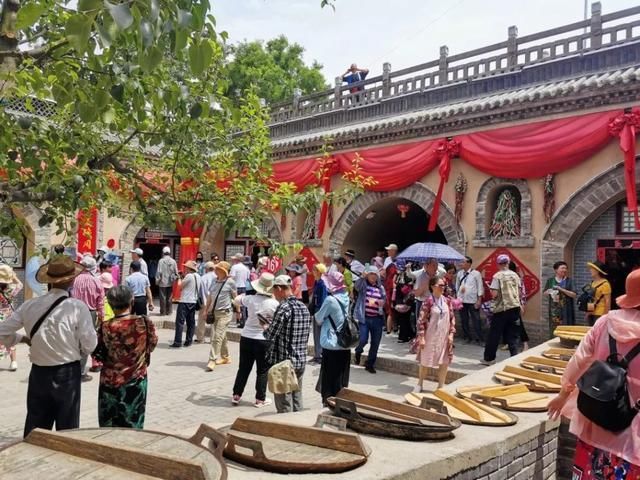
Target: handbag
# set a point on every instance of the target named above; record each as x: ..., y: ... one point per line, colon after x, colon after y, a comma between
x: 282, y: 378
x: 211, y: 315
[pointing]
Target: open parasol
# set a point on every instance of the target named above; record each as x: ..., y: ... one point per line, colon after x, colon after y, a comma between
x: 421, y: 252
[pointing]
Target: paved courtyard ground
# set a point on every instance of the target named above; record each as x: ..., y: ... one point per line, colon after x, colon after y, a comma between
x: 181, y: 394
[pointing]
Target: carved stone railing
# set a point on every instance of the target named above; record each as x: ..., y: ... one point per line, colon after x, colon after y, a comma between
x: 514, y: 54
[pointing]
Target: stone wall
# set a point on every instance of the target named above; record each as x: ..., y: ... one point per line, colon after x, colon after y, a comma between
x: 535, y: 459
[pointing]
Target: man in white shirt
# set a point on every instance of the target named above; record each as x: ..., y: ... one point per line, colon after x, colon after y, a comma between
x: 206, y: 283
x: 240, y: 275
x: 392, y: 253
x: 470, y: 288
x: 166, y: 275
x: 356, y: 267
x: 301, y: 260
x: 189, y: 284
x: 421, y: 285
x: 60, y: 331
x: 136, y: 256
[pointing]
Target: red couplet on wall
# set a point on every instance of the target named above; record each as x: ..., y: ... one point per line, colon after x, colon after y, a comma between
x: 87, y: 230
x: 489, y: 266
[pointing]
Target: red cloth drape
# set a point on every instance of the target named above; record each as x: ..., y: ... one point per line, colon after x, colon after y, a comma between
x: 532, y: 150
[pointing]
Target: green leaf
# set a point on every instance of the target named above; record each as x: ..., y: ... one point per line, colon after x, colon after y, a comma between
x: 196, y: 59
x: 101, y: 99
x: 207, y: 53
x: 184, y: 18
x: 154, y: 11
x: 151, y: 59
x: 146, y: 33
x: 89, y: 5
x: 180, y: 40
x: 117, y: 92
x: 109, y: 115
x: 29, y: 14
x: 87, y: 112
x: 195, y: 111
x: 77, y: 30
x: 121, y: 14
x: 106, y: 34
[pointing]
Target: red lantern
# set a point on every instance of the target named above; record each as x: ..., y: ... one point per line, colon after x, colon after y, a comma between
x: 403, y: 209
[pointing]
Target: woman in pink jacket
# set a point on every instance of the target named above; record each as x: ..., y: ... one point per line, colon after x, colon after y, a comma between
x: 600, y: 452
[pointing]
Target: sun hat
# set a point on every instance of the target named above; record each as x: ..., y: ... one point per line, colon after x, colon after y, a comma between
x: 191, y: 264
x: 263, y: 285
x: 166, y: 249
x: 350, y: 253
x: 224, y: 266
x: 238, y: 256
x: 321, y: 268
x: 294, y: 268
x: 103, y: 248
x: 106, y: 279
x: 6, y: 274
x: 88, y: 262
x: 598, y: 266
x: 282, y: 281
x: 209, y: 266
x: 60, y: 269
x: 391, y: 246
x: 371, y: 269
x: 631, y: 298
x: 138, y: 251
x: 334, y: 282
x: 503, y: 258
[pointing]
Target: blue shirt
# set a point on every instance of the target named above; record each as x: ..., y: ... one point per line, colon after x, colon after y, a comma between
x: 319, y: 294
x: 138, y: 284
x: 332, y: 308
x: 354, y: 77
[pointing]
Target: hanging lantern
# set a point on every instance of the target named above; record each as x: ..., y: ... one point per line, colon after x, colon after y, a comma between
x: 403, y: 208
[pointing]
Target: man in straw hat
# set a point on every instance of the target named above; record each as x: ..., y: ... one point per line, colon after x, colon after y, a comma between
x: 253, y: 346
x: 189, y: 284
x: 289, y: 332
x: 220, y: 308
x: 207, y: 281
x: 60, y: 331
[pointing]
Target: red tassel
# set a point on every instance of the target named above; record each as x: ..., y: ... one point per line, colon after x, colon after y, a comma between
x: 447, y: 150
x: 624, y: 127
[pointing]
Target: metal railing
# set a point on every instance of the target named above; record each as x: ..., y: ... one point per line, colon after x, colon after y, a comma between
x: 516, y: 53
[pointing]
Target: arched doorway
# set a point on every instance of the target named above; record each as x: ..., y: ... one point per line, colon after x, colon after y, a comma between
x: 382, y: 223
x: 373, y: 220
x: 591, y: 224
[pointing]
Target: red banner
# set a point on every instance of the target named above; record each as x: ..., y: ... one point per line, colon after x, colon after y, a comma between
x: 489, y: 266
x: 87, y: 231
x: 310, y: 262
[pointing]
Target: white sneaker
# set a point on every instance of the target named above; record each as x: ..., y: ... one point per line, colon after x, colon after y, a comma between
x: 487, y: 362
x: 13, y: 366
x: 263, y: 403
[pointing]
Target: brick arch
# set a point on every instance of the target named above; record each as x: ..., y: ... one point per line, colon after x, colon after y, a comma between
x: 484, y: 211
x: 578, y: 212
x: 417, y: 193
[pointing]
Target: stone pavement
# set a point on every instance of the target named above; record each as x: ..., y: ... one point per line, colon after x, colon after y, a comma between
x: 181, y: 394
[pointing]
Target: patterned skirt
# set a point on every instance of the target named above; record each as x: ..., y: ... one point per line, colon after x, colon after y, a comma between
x: 591, y: 463
x: 123, y: 406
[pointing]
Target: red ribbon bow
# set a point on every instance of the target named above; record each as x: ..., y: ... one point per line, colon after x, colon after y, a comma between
x: 446, y: 150
x: 624, y: 127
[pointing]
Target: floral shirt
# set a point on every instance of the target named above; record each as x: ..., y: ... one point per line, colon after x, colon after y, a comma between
x: 6, y: 299
x: 122, y: 347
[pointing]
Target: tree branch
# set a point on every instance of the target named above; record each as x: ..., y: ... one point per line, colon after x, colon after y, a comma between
x: 37, y: 53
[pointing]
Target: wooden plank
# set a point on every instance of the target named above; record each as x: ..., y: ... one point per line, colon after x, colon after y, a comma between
x: 378, y: 413
x: 460, y: 404
x: 395, y: 407
x: 547, y: 361
x: 546, y: 377
x: 133, y: 459
x: 341, y: 441
x: 533, y: 384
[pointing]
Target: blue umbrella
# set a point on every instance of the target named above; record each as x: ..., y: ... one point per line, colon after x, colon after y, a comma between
x: 421, y: 252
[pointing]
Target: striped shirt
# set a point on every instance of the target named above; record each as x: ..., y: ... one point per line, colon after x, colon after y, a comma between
x: 88, y: 289
x: 373, y: 301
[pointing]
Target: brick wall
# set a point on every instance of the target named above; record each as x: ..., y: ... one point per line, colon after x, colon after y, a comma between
x: 535, y: 459
x: 585, y: 250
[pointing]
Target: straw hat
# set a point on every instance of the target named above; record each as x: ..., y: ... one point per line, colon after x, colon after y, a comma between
x: 190, y: 264
x: 631, y: 299
x: 598, y: 267
x: 224, y: 266
x: 264, y: 284
x: 59, y: 269
x: 6, y: 274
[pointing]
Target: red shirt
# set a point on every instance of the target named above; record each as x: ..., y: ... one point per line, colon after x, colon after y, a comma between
x: 88, y: 289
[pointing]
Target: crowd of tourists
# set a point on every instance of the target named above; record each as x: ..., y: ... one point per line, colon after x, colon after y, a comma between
x: 87, y: 321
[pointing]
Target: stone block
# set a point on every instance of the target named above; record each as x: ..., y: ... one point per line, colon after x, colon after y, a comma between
x: 490, y: 466
x: 529, y: 458
x: 515, y: 467
x: 501, y: 474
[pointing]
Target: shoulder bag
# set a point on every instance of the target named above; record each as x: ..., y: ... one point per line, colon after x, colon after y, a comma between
x: 198, y: 299
x: 282, y: 378
x: 211, y: 315
x: 349, y: 333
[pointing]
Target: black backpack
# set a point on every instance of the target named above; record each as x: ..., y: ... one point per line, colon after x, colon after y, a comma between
x: 588, y: 296
x: 349, y: 333
x: 604, y: 391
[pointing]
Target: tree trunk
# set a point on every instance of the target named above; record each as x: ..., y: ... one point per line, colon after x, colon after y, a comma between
x: 8, y: 39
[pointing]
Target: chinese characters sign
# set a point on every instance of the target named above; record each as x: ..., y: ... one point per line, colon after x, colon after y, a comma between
x: 87, y: 230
